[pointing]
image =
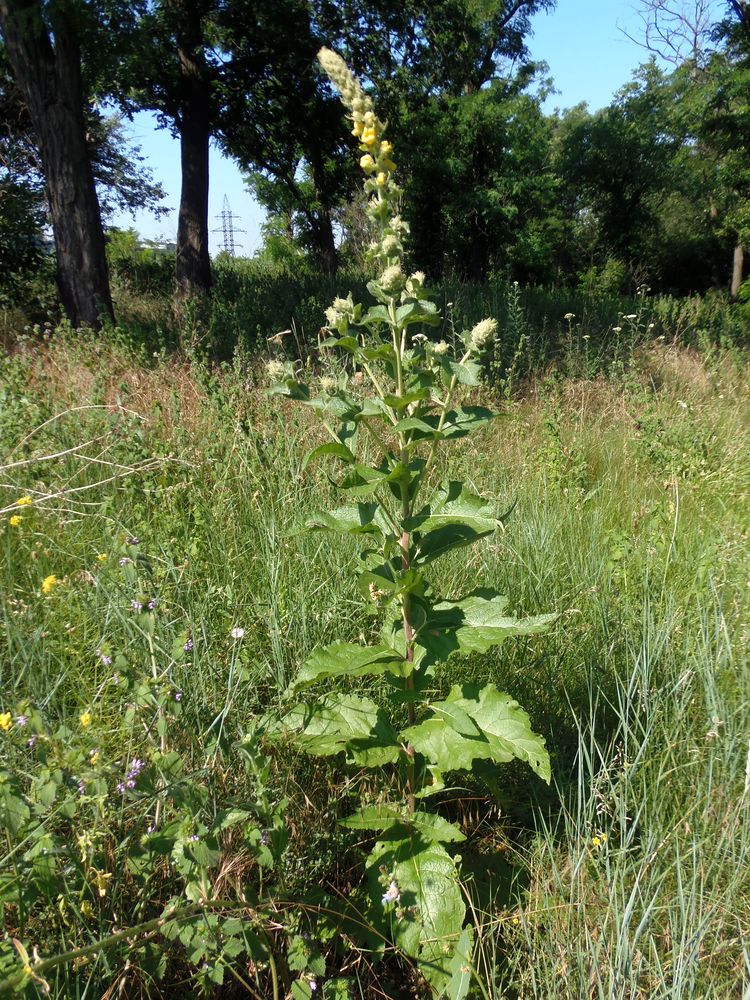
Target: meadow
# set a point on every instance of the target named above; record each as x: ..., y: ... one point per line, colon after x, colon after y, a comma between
x: 157, y: 599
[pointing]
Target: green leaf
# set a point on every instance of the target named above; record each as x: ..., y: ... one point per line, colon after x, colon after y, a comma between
x: 466, y: 373
x: 345, y: 659
x: 363, y: 519
x: 384, y: 817
x: 454, y: 517
x: 463, y: 420
x: 401, y: 402
x: 460, y: 967
x: 474, y: 624
x: 427, y: 920
x: 331, y: 448
x: 342, y: 722
x: 502, y: 731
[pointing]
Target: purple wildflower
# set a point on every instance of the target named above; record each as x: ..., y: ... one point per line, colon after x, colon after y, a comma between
x: 188, y: 647
x: 121, y: 787
x: 151, y: 604
x: 136, y: 605
x: 22, y: 720
x: 125, y: 561
x: 31, y: 741
x: 177, y: 695
x: 392, y: 894
x: 132, y: 540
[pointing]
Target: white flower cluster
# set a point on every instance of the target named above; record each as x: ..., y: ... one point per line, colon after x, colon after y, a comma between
x: 481, y: 335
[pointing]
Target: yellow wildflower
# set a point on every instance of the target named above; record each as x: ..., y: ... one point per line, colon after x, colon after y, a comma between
x: 24, y: 502
x: 357, y: 130
x: 5, y: 721
x: 102, y: 557
x: 15, y: 520
x: 85, y: 718
x: 94, y: 758
x: 369, y: 136
x: 596, y: 841
x: 367, y: 163
x: 385, y: 148
x: 100, y: 880
x: 49, y: 583
x: 382, y: 179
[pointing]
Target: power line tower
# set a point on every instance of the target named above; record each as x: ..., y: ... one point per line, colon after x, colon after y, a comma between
x: 227, y: 228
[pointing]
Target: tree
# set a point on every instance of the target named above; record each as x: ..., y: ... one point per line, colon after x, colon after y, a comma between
x: 43, y: 47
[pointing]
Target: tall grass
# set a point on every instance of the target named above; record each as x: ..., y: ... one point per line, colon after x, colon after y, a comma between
x: 629, y: 877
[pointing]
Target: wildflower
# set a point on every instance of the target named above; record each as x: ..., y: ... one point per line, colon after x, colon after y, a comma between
x: 30, y: 742
x: 328, y: 384
x: 390, y: 245
x: 313, y: 986
x: 631, y: 316
x: 177, y: 696
x: 132, y: 540
x: 102, y: 557
x: 345, y: 82
x: 124, y: 561
x: 136, y: 605
x: 49, y: 583
x: 616, y: 329
x: 357, y: 130
x: 275, y: 370
x: 367, y: 163
x: 385, y: 148
x: 237, y: 633
x: 392, y: 279
x: 22, y: 720
x: 482, y: 334
x: 188, y: 647
x: 440, y: 348
x: 6, y: 720
x: 100, y: 880
x: 93, y: 757
x: 569, y: 316
x: 392, y: 894
x: 24, y: 501
x: 369, y: 136
x: 85, y: 719
x: 15, y: 520
x: 382, y: 179
x: 151, y: 604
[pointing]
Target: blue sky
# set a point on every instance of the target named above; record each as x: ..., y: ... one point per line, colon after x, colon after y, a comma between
x: 588, y: 55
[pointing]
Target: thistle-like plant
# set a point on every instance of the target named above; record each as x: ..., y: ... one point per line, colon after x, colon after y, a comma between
x: 403, y: 398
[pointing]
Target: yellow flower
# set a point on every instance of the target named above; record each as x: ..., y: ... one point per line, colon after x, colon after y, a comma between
x: 102, y: 557
x: 49, y: 583
x: 85, y: 719
x: 94, y: 758
x: 369, y: 136
x: 596, y: 841
x: 382, y: 179
x: 385, y: 148
x: 5, y: 721
x: 357, y: 130
x: 15, y: 520
x: 100, y: 880
x: 24, y: 502
x: 367, y: 163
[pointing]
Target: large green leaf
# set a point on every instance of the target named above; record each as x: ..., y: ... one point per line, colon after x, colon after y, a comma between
x: 363, y: 519
x: 427, y: 920
x: 463, y: 420
x: 335, y: 448
x: 343, y: 722
x: 384, y: 817
x: 346, y: 659
x: 474, y: 624
x: 454, y: 517
x: 476, y: 723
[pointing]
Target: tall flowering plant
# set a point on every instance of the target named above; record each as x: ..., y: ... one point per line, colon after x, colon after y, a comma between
x: 404, y: 399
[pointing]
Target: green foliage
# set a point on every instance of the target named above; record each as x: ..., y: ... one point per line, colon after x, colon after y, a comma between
x: 410, y: 411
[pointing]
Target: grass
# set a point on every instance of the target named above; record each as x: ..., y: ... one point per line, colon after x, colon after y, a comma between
x: 628, y: 878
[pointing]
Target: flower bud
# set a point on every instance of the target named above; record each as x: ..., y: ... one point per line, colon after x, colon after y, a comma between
x: 392, y: 280
x: 275, y: 370
x: 367, y: 163
x: 440, y: 348
x: 482, y: 334
x: 390, y: 245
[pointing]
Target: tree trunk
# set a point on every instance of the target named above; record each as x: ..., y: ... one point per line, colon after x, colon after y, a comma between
x: 193, y: 264
x: 49, y: 77
x: 323, y: 228
x: 737, y: 270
